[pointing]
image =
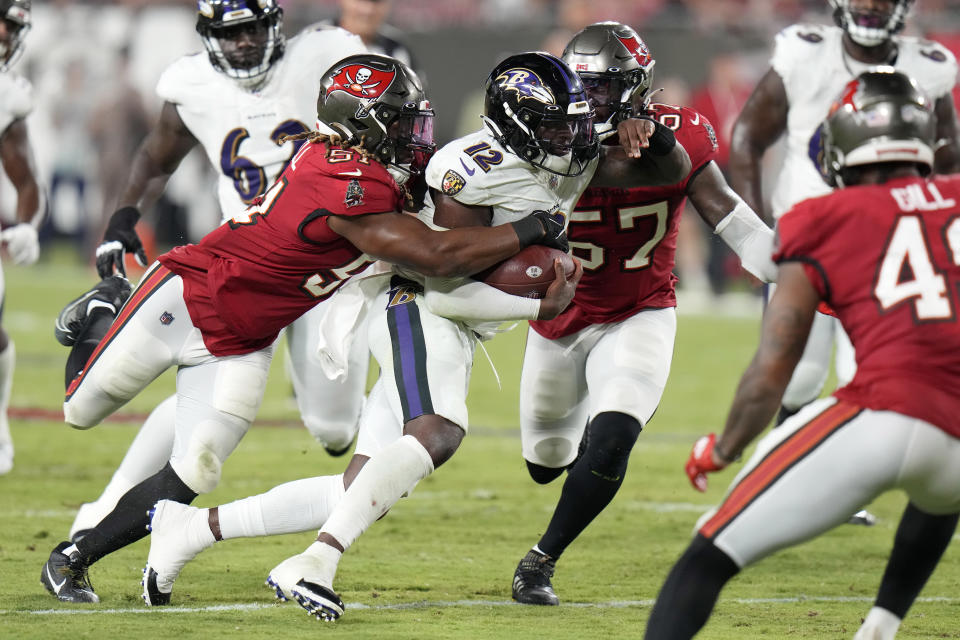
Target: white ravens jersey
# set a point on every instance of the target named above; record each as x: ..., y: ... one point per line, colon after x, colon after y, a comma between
x: 476, y: 170
x: 239, y: 129
x: 16, y: 99
x: 814, y: 67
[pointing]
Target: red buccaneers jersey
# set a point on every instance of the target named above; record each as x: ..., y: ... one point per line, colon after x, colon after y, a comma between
x: 627, y: 238
x: 261, y: 270
x: 887, y: 260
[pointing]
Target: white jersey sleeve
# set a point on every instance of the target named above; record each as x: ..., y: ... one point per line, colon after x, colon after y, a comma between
x: 932, y: 65
x: 477, y: 171
x: 16, y: 99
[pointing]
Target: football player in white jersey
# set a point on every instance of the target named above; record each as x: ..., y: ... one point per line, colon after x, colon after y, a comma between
x: 537, y: 151
x: 16, y: 156
x: 236, y: 100
x: 810, y: 65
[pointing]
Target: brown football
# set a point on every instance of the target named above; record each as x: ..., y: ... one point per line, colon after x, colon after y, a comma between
x: 528, y: 273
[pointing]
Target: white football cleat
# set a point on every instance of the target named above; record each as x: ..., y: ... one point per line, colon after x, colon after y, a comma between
x: 297, y: 578
x: 172, y: 545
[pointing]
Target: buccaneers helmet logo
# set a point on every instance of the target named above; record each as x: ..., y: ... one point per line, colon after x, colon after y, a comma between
x: 637, y: 49
x: 526, y: 84
x: 361, y: 81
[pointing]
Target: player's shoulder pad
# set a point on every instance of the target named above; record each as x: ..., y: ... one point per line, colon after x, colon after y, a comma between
x: 326, y: 36
x: 186, y: 76
x: 799, y: 45
x: 804, y: 35
x: 16, y: 96
x: 469, y: 168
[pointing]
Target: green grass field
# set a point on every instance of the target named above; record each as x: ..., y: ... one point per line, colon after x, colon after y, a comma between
x: 440, y: 565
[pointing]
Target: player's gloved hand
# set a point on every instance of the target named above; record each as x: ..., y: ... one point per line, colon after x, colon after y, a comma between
x: 703, y: 461
x: 117, y: 240
x: 542, y: 228
x: 560, y: 292
x: 22, y: 243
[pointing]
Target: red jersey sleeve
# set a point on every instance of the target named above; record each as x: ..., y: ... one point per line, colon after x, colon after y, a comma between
x: 798, y: 234
x: 692, y: 130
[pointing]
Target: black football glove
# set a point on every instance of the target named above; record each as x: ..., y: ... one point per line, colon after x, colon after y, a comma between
x: 541, y: 228
x: 118, y: 239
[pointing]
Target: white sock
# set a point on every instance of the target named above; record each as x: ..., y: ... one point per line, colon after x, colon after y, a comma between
x: 7, y: 361
x: 293, y: 507
x: 880, y: 624
x: 329, y: 559
x: 390, y: 473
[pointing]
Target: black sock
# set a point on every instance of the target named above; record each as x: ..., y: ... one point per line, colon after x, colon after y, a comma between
x: 128, y: 521
x: 593, y: 481
x: 920, y: 541
x: 97, y: 325
x: 690, y: 591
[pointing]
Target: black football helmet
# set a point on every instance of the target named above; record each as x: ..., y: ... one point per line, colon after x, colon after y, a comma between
x: 378, y: 103
x: 16, y: 17
x: 616, y: 68
x: 870, y: 28
x: 536, y: 107
x: 881, y: 116
x: 244, y: 38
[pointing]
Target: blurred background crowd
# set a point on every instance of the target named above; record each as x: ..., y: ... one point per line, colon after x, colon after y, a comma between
x: 94, y: 66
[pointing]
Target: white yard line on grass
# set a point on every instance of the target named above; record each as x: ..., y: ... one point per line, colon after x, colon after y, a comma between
x: 613, y: 604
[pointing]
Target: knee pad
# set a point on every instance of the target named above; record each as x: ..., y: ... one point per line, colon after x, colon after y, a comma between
x: 239, y: 388
x: 541, y: 474
x: 609, y: 439
x: 552, y: 395
x: 199, y: 467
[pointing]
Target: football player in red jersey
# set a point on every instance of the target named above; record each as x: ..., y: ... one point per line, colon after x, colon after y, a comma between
x: 214, y: 309
x: 604, y: 361
x: 884, y: 252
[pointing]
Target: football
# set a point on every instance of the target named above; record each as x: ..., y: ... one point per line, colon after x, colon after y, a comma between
x: 528, y: 273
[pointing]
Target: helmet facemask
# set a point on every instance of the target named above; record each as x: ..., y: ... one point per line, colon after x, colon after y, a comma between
x: 407, y: 141
x: 16, y: 18
x: 870, y: 28
x: 243, y: 43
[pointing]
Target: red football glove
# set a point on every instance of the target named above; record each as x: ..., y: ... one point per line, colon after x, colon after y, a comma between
x: 701, y: 462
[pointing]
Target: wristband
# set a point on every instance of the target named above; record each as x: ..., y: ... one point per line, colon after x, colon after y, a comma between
x: 528, y: 230
x: 125, y: 216
x: 662, y: 141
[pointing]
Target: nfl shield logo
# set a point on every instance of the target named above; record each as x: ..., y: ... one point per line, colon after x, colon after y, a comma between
x: 166, y: 318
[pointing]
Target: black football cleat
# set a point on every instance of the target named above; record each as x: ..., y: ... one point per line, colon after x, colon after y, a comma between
x: 66, y: 578
x: 319, y: 601
x: 531, y: 580
x: 109, y: 293
x: 152, y: 596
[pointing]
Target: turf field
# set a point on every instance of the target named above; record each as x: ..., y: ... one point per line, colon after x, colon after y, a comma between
x: 440, y: 565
